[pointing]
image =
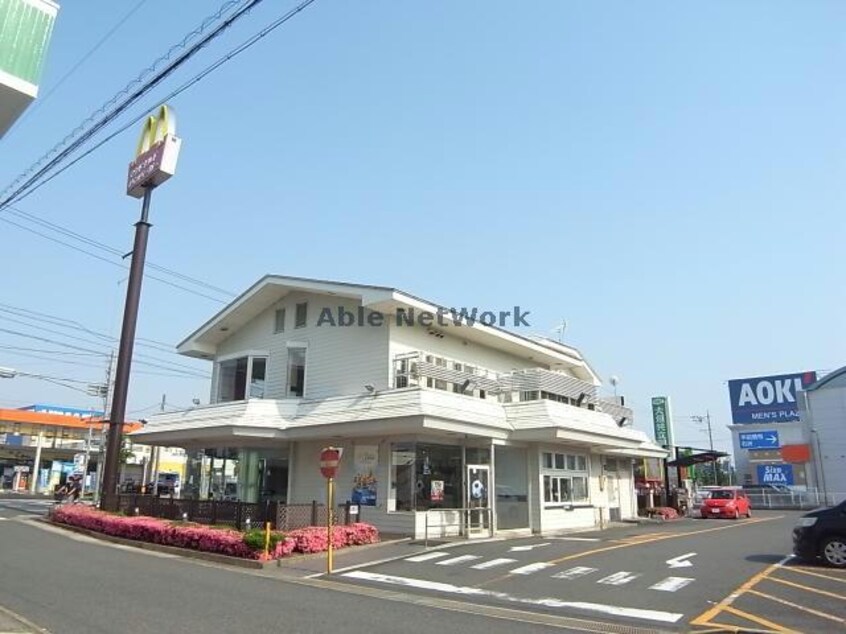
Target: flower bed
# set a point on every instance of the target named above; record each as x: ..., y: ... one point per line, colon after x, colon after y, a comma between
x: 210, y: 539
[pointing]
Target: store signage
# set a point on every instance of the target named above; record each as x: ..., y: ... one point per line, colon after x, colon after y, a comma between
x: 662, y: 420
x: 156, y: 155
x: 330, y: 458
x: 768, y: 399
x: 775, y: 474
x: 758, y: 440
x: 436, y: 493
x: 365, y: 482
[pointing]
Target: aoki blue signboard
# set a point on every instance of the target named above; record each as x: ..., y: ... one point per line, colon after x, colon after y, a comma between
x: 768, y: 399
x: 775, y: 474
x: 759, y: 440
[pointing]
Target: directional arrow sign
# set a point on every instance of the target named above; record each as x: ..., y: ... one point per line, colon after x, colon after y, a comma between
x: 681, y: 561
x: 759, y: 440
x: 517, y: 549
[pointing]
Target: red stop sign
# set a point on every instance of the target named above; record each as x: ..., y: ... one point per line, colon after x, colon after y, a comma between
x: 330, y: 457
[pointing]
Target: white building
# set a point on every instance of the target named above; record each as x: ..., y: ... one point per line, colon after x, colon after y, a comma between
x: 823, y: 413
x: 433, y: 415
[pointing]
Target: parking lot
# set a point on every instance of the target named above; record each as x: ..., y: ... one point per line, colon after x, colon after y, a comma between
x: 688, y: 575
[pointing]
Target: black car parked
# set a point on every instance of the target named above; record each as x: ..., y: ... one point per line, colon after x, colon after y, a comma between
x: 822, y: 533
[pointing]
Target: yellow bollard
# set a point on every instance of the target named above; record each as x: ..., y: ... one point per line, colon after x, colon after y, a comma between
x: 330, y: 503
x: 267, y: 539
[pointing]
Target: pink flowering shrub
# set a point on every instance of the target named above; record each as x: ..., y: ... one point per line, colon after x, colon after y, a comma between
x: 664, y: 512
x: 208, y: 539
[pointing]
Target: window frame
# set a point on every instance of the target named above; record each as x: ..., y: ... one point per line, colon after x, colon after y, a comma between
x: 295, y: 346
x: 250, y: 355
x: 297, y: 307
x: 558, y: 483
x: 279, y: 324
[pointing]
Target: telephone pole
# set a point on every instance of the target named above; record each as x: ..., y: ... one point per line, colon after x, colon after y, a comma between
x: 707, y: 420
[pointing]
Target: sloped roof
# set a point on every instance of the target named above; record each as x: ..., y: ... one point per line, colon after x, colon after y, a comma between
x: 832, y: 379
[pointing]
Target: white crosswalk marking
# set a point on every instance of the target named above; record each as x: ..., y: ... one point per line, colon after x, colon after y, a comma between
x: 671, y: 584
x: 457, y: 560
x: 427, y: 557
x: 527, y: 570
x: 619, y: 578
x: 493, y: 563
x: 573, y: 573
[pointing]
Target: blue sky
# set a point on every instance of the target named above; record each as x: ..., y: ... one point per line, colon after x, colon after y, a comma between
x: 668, y: 178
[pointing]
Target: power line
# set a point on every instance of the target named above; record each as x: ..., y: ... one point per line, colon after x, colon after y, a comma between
x: 106, y: 260
x: 105, y: 38
x: 30, y: 187
x: 129, y: 95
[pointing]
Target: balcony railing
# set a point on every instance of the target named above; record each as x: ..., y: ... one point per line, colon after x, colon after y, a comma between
x: 433, y: 371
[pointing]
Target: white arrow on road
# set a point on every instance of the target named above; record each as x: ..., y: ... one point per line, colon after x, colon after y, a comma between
x: 681, y: 561
x: 517, y: 549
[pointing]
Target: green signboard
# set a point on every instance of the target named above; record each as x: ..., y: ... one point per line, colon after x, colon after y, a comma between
x: 662, y: 420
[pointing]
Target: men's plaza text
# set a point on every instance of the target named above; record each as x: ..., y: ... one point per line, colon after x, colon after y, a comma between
x: 443, y: 317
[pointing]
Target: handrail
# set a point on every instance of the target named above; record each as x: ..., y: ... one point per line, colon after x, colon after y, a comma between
x: 463, y: 523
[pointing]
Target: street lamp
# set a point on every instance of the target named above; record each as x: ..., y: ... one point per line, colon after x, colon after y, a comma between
x: 707, y: 419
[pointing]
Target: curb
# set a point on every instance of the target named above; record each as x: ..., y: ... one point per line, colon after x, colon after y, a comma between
x: 21, y: 625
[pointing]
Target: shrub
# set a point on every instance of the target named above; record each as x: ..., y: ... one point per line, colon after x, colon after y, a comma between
x: 249, y: 545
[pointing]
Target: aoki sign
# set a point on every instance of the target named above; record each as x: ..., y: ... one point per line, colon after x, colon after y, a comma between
x: 156, y: 154
x: 768, y: 399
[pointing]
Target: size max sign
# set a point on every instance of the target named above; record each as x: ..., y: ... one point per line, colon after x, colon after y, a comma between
x: 767, y: 399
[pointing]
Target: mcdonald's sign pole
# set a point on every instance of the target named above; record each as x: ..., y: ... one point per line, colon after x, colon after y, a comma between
x: 154, y: 163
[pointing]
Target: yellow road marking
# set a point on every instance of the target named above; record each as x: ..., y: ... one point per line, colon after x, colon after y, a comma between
x: 775, y: 627
x: 823, y: 615
x: 705, y: 617
x: 808, y: 588
x: 813, y: 574
x: 652, y: 539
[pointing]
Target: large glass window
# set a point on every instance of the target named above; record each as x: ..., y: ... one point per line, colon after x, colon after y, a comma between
x: 296, y: 372
x: 232, y: 378
x: 565, y: 478
x: 426, y: 476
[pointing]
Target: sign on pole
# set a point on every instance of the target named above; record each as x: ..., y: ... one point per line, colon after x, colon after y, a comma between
x: 758, y: 440
x: 662, y: 420
x: 156, y: 155
x: 330, y: 458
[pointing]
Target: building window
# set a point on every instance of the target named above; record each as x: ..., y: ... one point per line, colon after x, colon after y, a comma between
x: 565, y: 479
x: 232, y: 381
x: 296, y: 372
x: 279, y: 323
x: 301, y: 315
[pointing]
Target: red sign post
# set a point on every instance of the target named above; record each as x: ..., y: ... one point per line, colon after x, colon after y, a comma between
x: 330, y: 458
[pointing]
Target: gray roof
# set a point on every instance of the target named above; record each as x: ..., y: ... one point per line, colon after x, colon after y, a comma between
x: 827, y: 380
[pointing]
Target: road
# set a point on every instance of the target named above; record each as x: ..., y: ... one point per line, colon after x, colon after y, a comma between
x: 674, y: 576
x: 692, y: 575
x: 70, y: 584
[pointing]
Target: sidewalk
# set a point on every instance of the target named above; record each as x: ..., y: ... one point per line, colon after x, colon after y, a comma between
x: 11, y: 623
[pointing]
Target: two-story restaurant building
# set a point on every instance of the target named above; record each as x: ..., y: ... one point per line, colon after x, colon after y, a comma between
x: 434, y: 413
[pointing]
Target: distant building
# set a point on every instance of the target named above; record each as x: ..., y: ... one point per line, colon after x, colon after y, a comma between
x: 26, y: 27
x: 823, y: 413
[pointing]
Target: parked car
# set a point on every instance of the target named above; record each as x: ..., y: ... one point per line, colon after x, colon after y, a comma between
x: 726, y: 503
x: 821, y: 534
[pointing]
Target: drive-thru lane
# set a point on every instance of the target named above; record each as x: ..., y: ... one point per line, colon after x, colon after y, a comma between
x: 662, y: 575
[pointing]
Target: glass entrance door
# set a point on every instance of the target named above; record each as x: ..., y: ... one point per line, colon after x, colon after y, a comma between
x: 478, y: 500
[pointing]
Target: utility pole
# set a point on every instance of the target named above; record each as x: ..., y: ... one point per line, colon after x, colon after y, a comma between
x: 154, y: 163
x: 707, y: 420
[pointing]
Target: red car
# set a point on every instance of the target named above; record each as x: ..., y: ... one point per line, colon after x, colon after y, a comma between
x: 726, y: 503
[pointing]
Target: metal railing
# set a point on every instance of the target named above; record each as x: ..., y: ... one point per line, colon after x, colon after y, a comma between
x: 239, y: 515
x: 468, y: 520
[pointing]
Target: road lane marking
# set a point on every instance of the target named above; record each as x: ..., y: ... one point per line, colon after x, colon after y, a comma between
x: 833, y: 595
x: 448, y: 588
x: 660, y: 538
x: 619, y: 578
x: 574, y: 573
x: 775, y: 627
x: 427, y: 557
x: 707, y: 617
x: 672, y: 584
x: 531, y: 568
x: 823, y: 615
x: 681, y: 561
x: 576, y: 539
x: 457, y: 560
x: 813, y: 574
x: 517, y: 549
x: 493, y: 563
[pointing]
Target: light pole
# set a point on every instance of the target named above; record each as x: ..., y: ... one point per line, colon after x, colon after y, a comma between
x: 154, y: 163
x: 707, y: 420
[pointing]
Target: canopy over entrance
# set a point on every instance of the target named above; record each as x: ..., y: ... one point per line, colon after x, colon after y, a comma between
x: 696, y: 458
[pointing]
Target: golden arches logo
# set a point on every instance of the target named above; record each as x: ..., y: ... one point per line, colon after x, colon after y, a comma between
x: 155, y: 128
